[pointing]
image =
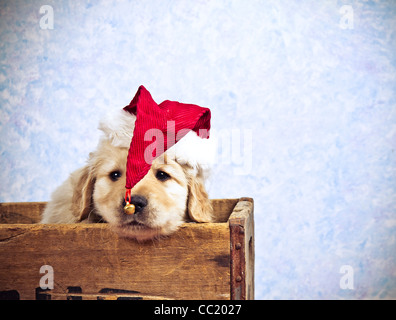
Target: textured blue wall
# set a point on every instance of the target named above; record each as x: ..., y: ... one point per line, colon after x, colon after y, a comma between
x: 313, y: 83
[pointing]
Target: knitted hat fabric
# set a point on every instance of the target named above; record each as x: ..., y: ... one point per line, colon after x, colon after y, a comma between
x: 157, y: 128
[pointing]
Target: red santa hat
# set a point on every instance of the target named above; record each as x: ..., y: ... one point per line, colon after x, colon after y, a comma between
x: 157, y: 128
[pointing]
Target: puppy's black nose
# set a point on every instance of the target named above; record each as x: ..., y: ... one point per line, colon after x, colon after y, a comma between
x: 139, y: 202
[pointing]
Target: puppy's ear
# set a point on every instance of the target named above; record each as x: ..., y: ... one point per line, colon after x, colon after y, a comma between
x: 82, y: 204
x: 199, y: 207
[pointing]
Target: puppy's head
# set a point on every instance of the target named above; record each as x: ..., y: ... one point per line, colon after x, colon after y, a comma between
x: 167, y: 196
x: 170, y: 194
x: 100, y: 183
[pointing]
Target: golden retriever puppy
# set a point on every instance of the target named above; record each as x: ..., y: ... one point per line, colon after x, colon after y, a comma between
x: 171, y: 193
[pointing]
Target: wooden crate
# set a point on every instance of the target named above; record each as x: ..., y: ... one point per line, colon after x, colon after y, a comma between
x: 89, y: 261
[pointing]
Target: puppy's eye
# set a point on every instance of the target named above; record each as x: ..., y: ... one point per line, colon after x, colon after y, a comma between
x: 162, y: 175
x: 115, y: 175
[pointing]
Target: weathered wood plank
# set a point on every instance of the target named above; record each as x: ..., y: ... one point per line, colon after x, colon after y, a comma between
x: 193, y: 263
x: 30, y: 212
x: 222, y: 208
x: 242, y: 250
x: 21, y: 212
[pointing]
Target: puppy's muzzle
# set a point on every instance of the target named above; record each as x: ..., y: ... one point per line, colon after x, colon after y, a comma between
x: 139, y: 202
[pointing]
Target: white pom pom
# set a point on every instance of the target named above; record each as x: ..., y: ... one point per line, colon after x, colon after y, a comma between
x: 194, y: 151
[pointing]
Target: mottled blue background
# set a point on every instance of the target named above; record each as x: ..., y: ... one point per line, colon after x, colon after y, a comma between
x: 318, y: 99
